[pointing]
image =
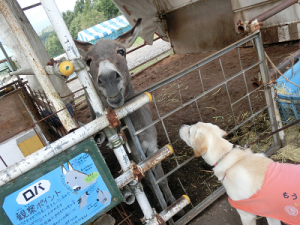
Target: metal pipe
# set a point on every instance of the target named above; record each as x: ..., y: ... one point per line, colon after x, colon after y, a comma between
x: 273, y: 11
x: 122, y: 157
x: 128, y: 196
x: 141, y: 197
x: 31, y: 6
x: 145, y: 165
x: 170, y: 211
x: 285, y: 63
x: 37, y: 67
x: 175, y: 207
x: 3, y: 161
x: 67, y: 141
x: 201, y: 206
x: 69, y: 46
x: 263, y: 66
x: 12, y: 65
x: 115, y: 143
x: 152, y: 179
x: 254, y: 5
x: 140, y: 46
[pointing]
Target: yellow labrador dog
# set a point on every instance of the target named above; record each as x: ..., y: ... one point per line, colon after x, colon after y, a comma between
x: 255, y: 184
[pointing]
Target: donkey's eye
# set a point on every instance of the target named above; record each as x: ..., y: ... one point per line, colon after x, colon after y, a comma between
x: 121, y: 52
x: 88, y: 62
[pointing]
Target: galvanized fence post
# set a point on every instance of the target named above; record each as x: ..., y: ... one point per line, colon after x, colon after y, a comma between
x: 152, y: 179
x: 266, y: 79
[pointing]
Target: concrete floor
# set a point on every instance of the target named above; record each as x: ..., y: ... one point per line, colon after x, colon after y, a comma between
x: 221, y: 213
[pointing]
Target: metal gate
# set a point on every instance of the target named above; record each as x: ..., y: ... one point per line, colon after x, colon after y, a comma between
x: 176, y: 102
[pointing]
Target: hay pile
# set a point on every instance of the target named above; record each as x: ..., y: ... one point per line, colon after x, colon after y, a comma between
x: 291, y: 152
x: 255, y: 128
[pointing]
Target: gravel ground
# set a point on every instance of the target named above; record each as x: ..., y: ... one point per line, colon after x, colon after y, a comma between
x: 133, y: 59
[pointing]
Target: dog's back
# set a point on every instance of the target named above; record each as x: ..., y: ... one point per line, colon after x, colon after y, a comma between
x: 279, y: 196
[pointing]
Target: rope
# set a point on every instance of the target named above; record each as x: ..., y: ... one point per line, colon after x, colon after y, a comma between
x: 284, y: 127
x: 279, y: 71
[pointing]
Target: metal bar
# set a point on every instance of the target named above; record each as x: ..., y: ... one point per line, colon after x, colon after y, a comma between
x: 271, y: 150
x: 273, y: 11
x: 176, y: 168
x: 69, y: 46
x: 183, y: 189
x: 247, y: 95
x: 199, y: 111
x: 162, y: 122
x: 175, y: 208
x: 254, y: 5
x: 201, y: 206
x: 8, y: 58
x: 37, y: 67
x: 149, y: 60
x: 3, y: 161
x: 140, y: 46
x: 10, y: 63
x: 144, y: 166
x: 201, y: 80
x: 247, y: 120
x: 276, y: 131
x: 195, y: 98
x: 285, y: 63
x: 152, y: 179
x: 67, y: 141
x: 235, y: 133
x: 266, y: 79
x: 36, y: 127
x: 178, y: 7
x: 278, y: 118
x: 226, y: 88
x: 31, y: 6
x: 10, y: 84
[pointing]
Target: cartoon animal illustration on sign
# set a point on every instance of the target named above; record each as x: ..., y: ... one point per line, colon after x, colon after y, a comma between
x: 75, y: 179
x: 103, y: 197
x: 82, y: 201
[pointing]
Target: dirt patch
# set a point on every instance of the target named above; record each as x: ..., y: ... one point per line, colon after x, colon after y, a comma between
x: 196, y: 177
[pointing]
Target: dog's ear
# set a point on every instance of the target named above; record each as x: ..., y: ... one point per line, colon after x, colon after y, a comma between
x: 199, y: 144
x: 223, y: 133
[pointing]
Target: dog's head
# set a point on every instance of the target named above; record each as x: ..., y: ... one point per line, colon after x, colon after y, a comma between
x: 202, y: 137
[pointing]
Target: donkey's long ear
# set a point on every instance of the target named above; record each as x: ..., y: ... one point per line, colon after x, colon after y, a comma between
x: 82, y: 46
x: 199, y: 144
x: 129, y: 37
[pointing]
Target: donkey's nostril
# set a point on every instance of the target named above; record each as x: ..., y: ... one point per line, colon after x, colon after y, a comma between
x: 118, y: 76
x: 99, y: 80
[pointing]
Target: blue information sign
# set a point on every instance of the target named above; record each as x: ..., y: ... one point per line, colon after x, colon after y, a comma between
x: 70, y: 194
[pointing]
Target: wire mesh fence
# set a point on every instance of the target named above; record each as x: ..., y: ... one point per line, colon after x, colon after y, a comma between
x: 218, y: 90
x: 48, y: 113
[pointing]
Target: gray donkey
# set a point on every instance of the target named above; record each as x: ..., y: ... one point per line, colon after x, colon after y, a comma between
x: 109, y: 72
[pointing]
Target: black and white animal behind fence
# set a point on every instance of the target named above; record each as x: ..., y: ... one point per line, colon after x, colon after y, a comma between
x: 109, y: 72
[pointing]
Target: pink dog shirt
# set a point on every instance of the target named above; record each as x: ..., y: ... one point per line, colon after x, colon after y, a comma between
x: 279, y: 197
